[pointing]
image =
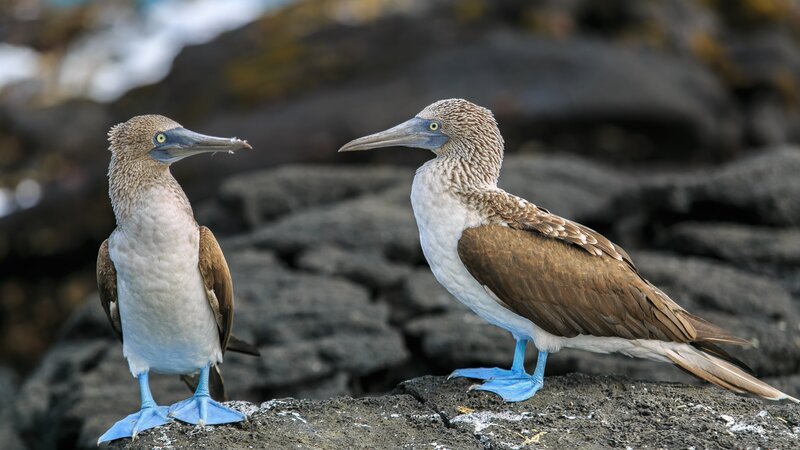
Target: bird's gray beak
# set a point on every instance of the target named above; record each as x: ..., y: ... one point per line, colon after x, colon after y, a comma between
x: 411, y: 133
x: 180, y: 143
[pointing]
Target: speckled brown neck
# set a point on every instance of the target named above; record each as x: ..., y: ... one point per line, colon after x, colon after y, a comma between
x: 129, y: 179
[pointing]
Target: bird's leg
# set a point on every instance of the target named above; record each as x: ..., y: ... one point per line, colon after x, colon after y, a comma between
x: 520, y: 388
x: 495, y: 373
x: 201, y: 409
x: 150, y: 415
x: 518, y: 365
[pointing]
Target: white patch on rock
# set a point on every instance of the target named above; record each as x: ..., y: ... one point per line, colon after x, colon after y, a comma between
x: 164, y: 440
x: 741, y: 427
x: 243, y: 407
x: 294, y: 416
x: 480, y: 420
x: 435, y: 417
x: 272, y: 404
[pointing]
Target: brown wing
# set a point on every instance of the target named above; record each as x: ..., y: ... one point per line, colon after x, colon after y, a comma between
x: 107, y: 285
x: 520, y: 213
x: 218, y: 283
x: 567, y: 292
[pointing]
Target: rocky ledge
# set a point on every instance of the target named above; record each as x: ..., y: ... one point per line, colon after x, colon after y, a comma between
x: 573, y: 411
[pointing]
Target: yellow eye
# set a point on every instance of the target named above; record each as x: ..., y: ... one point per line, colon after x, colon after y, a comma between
x: 161, y: 138
x: 433, y: 126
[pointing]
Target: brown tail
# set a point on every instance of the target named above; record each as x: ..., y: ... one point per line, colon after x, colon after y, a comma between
x: 723, y: 373
x: 237, y: 345
x: 215, y: 384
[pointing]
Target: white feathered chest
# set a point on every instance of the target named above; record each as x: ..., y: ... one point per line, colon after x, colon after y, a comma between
x: 167, y: 323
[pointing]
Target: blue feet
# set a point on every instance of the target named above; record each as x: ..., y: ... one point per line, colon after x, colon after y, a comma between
x: 130, y: 426
x: 495, y: 373
x: 486, y: 373
x: 513, y: 389
x: 201, y: 409
x: 513, y: 385
x: 150, y: 416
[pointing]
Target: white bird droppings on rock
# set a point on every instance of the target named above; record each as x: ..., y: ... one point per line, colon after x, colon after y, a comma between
x: 481, y: 420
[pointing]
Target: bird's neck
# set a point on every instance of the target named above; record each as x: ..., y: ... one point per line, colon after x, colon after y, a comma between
x: 469, y: 166
x: 134, y: 186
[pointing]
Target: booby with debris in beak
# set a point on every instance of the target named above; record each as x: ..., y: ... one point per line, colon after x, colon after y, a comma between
x: 163, y: 280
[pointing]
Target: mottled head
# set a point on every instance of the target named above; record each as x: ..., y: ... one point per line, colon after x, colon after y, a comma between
x: 161, y: 140
x: 453, y: 128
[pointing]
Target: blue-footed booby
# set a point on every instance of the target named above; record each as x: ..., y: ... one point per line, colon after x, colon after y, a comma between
x: 542, y: 277
x: 163, y: 280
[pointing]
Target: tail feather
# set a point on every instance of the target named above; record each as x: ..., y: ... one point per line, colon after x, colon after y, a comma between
x: 713, y: 349
x: 708, y: 332
x: 721, y: 372
x: 237, y: 345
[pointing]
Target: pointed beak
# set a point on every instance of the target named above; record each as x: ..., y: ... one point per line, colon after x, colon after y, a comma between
x: 181, y: 143
x: 411, y: 133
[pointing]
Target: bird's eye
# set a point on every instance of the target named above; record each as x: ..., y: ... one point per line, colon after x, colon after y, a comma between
x: 161, y: 138
x: 433, y: 126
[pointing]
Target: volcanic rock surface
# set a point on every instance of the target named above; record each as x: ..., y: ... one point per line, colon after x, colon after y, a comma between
x: 573, y: 411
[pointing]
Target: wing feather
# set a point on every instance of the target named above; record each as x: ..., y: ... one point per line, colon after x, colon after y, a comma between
x: 107, y: 287
x: 566, y: 290
x: 218, y: 283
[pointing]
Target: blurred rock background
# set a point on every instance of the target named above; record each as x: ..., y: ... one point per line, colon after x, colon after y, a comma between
x: 670, y: 126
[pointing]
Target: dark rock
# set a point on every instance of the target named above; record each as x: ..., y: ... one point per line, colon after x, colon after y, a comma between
x: 8, y: 387
x: 368, y: 268
x: 461, y: 339
x: 422, y: 294
x: 761, y: 190
x: 768, y: 251
x: 702, y: 284
x: 576, y: 411
x: 566, y: 185
x: 372, y: 223
x: 263, y: 196
x: 765, y: 56
x: 310, y: 327
x: 8, y: 392
x: 767, y: 64
x: 741, y: 245
x: 9, y: 437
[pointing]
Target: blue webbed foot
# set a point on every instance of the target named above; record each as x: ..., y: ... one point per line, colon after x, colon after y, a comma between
x: 146, y: 418
x: 486, y: 373
x: 202, y: 410
x: 513, y: 389
x: 495, y: 373
x: 513, y: 385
